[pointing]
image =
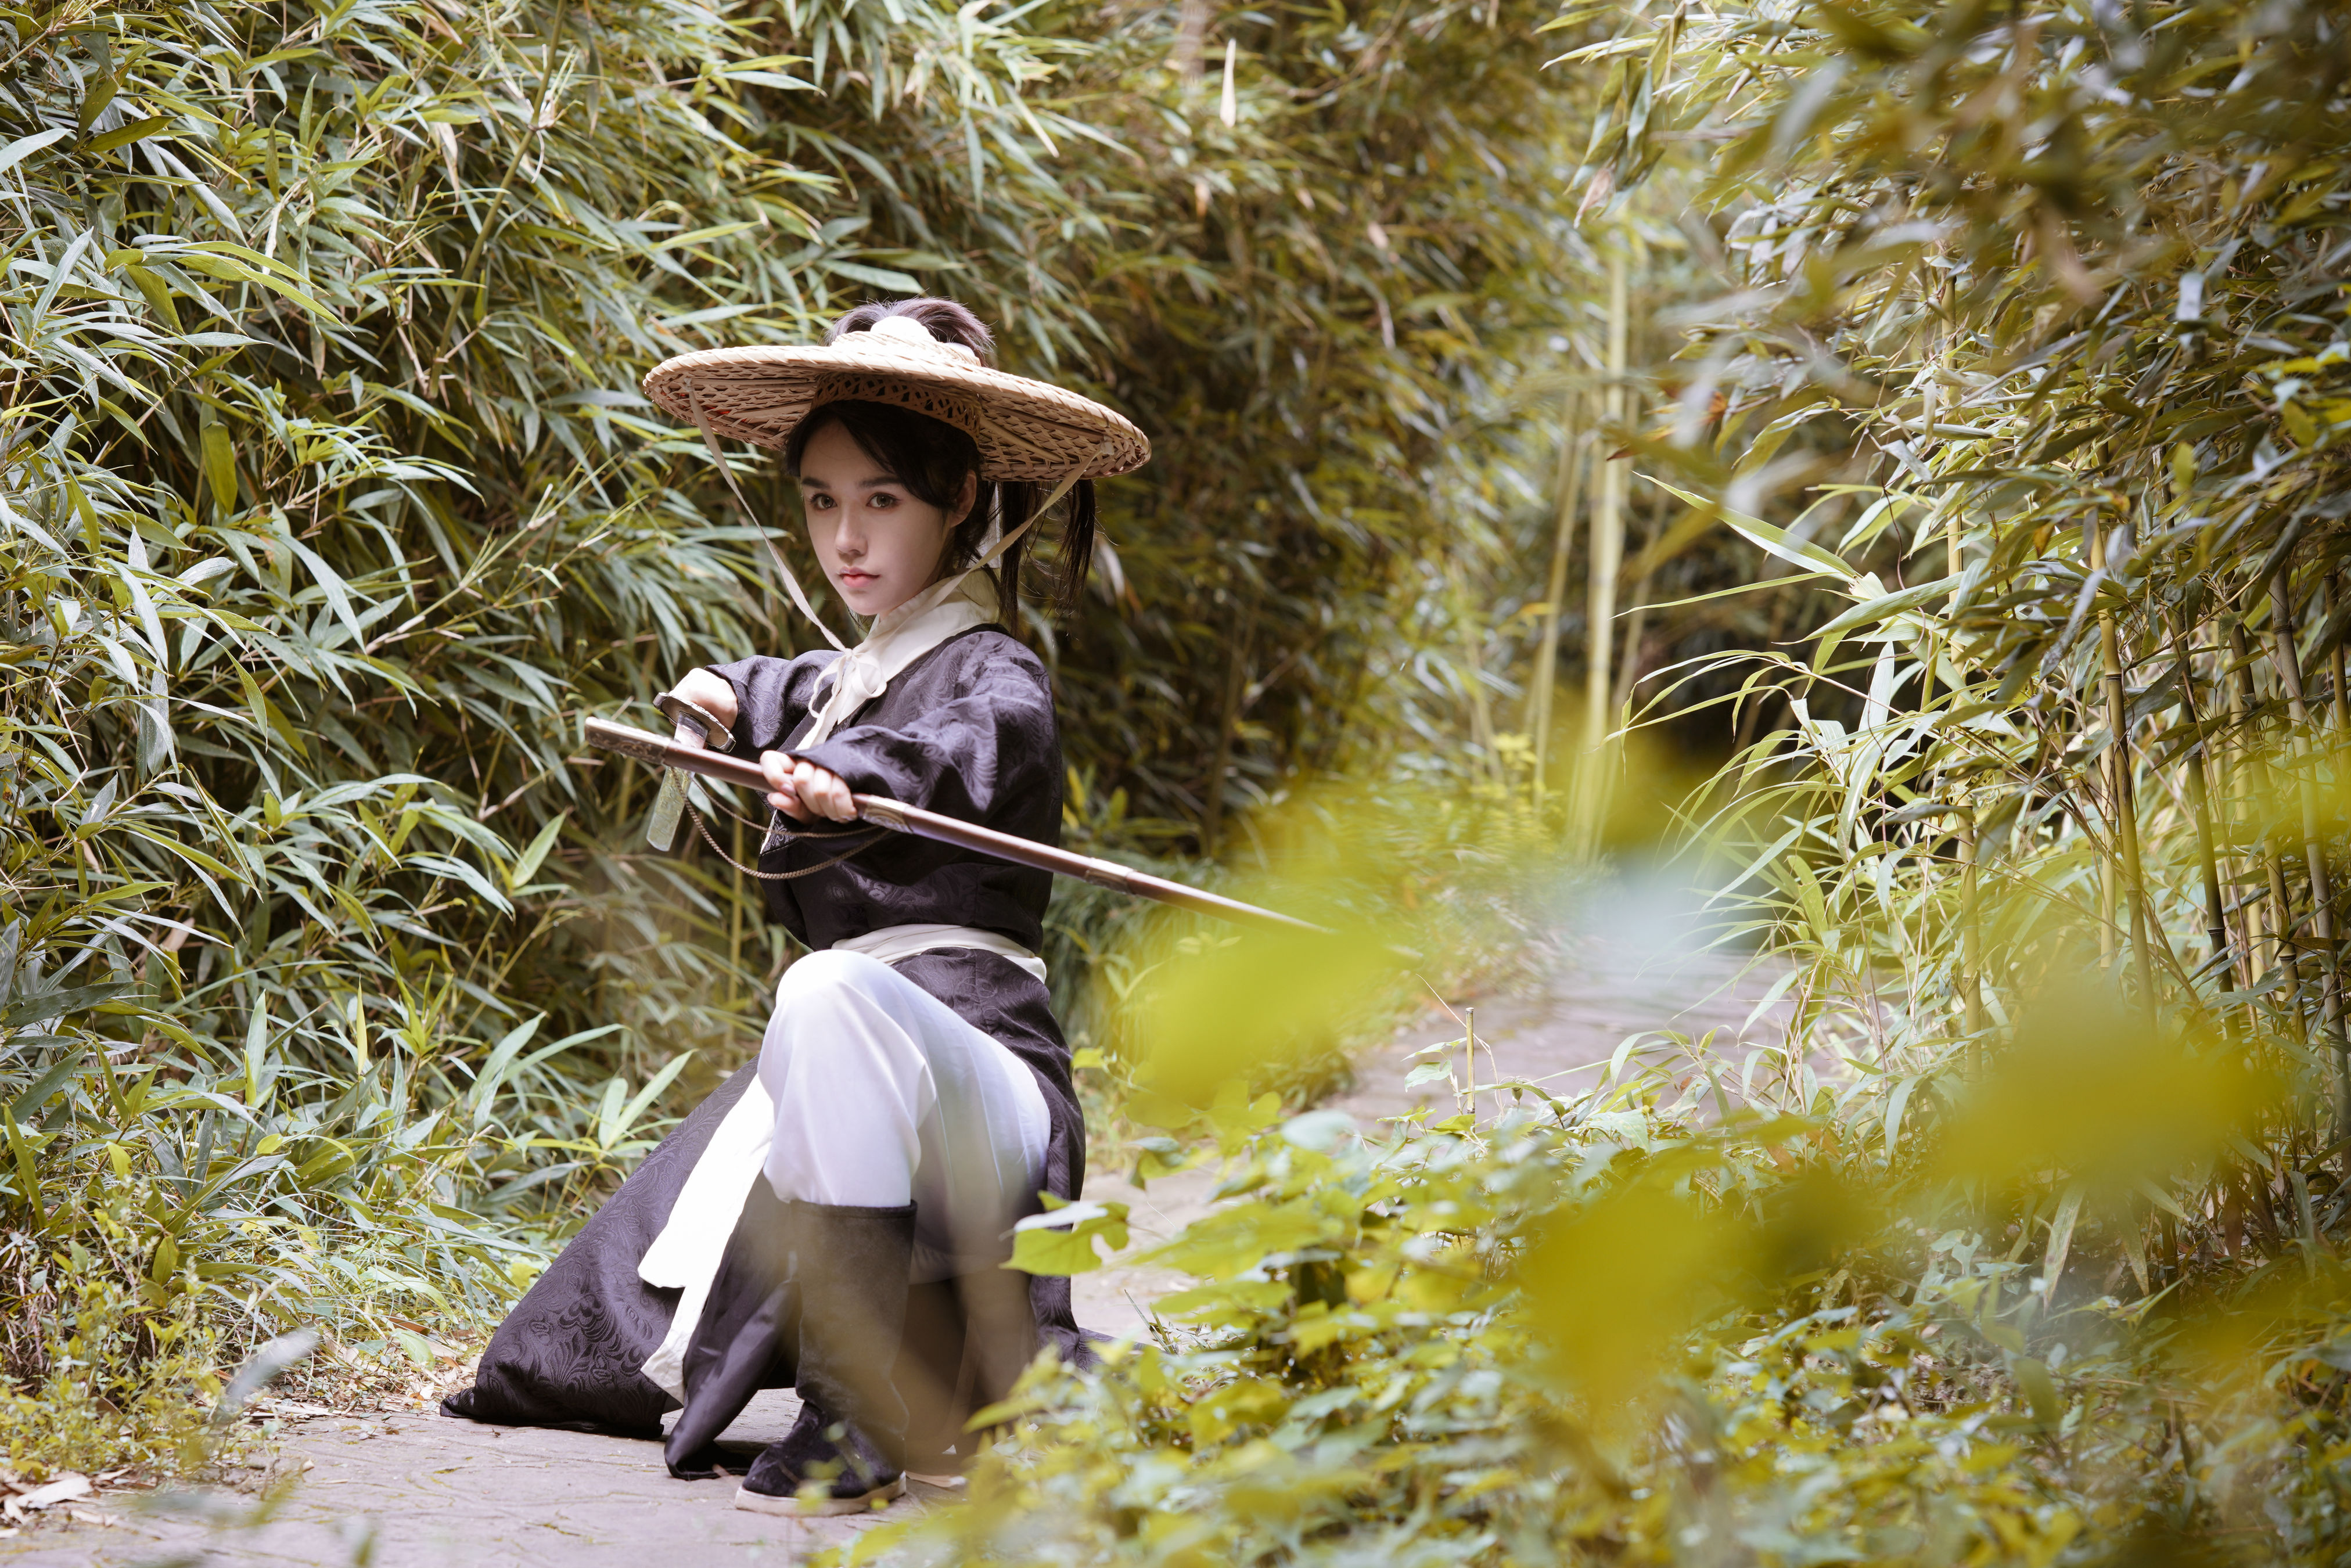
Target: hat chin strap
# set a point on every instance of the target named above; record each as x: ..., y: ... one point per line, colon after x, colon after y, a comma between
x: 791, y: 583
x: 937, y: 593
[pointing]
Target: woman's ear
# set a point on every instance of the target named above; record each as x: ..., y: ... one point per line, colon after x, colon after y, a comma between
x: 966, y: 499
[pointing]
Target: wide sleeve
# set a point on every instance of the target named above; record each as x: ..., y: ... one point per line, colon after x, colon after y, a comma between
x: 982, y: 750
x: 771, y: 697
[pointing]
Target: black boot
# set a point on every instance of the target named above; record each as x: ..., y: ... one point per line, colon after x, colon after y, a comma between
x: 744, y: 1341
x: 851, y: 1474
x: 849, y: 1452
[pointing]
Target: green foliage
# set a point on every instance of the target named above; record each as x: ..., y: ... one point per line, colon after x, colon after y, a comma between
x: 337, y: 986
x: 1632, y: 1328
x: 2077, y: 697
x: 310, y: 544
x: 1990, y: 1264
x: 1388, y: 1350
x: 2018, y: 375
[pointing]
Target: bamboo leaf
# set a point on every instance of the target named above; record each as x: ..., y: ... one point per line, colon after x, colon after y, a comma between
x: 23, y: 146
x: 123, y: 135
x: 1887, y: 605
x: 220, y: 467
x: 2061, y: 1238
x: 609, y: 1124
x: 647, y: 1095
x: 526, y: 865
x: 1768, y: 537
x: 338, y: 593
x: 493, y: 1068
x: 43, y: 1007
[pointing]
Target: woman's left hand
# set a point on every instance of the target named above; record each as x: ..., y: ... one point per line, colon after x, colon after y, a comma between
x: 803, y: 791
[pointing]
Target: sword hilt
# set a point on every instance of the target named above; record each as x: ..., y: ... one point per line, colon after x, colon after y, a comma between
x: 690, y: 722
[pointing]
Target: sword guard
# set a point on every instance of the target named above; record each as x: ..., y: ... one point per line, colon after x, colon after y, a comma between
x: 691, y: 722
x: 684, y: 711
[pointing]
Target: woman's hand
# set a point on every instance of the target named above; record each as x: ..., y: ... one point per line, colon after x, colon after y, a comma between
x: 711, y: 694
x: 803, y: 791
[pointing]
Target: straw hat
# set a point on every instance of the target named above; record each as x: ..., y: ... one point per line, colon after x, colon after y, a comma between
x: 1027, y: 430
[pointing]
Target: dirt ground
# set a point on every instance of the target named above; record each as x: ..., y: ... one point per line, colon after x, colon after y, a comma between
x: 411, y: 1489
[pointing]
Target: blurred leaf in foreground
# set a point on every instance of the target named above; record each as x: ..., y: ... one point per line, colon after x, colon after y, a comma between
x: 1614, y: 1288
x: 2093, y: 1088
x: 1235, y: 1011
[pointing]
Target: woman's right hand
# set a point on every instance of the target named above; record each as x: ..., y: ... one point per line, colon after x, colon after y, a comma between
x: 710, y: 693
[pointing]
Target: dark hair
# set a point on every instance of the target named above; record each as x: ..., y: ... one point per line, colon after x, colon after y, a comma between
x: 932, y: 458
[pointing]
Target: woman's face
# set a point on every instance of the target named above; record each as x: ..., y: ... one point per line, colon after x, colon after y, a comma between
x: 879, y: 544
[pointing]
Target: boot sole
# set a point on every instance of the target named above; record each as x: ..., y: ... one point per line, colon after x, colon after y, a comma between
x: 881, y: 1497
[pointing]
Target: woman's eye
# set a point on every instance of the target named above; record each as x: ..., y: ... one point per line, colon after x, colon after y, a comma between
x: 819, y: 503
x: 884, y: 499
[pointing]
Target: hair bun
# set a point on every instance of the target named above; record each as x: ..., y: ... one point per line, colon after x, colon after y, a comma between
x: 944, y: 320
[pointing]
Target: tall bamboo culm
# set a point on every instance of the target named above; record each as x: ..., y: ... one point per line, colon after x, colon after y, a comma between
x: 1542, y: 684
x: 2260, y: 785
x: 2122, y: 806
x: 1595, y: 763
x: 1970, y: 977
x: 2288, y: 661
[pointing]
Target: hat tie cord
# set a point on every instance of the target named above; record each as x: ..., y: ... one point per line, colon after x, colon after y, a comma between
x: 791, y: 583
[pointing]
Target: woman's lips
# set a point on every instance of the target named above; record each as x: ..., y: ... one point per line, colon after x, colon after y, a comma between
x: 857, y: 579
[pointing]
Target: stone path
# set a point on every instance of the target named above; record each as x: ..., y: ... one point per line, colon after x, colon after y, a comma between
x: 414, y: 1489
x: 410, y: 1489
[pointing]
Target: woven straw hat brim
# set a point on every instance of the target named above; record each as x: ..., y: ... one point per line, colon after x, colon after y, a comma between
x: 1027, y: 430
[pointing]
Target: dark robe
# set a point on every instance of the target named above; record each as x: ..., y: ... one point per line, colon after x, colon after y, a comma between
x: 967, y: 730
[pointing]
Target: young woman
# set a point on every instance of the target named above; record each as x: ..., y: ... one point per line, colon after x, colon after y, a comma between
x: 836, y: 1217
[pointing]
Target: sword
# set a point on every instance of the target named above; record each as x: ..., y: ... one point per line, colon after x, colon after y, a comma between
x: 900, y: 817
x: 692, y: 721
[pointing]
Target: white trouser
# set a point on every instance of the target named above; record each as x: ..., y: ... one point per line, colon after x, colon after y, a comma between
x: 884, y: 1096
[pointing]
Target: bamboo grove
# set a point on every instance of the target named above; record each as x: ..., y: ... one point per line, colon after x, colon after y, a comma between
x: 336, y: 980
x: 2007, y: 339
x: 2038, y: 323
x: 1937, y: 414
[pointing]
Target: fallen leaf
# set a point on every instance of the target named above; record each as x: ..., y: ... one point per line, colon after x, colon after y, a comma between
x: 65, y: 1488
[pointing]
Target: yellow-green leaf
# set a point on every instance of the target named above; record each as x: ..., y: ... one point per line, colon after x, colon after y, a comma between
x: 123, y: 135
x: 1062, y: 1242
x: 220, y: 467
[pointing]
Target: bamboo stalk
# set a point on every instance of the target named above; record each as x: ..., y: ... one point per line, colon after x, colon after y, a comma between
x: 2244, y: 701
x: 2332, y: 587
x: 2322, y: 893
x: 2200, y: 806
x: 1607, y: 561
x: 1628, y: 668
x: 2125, y: 810
x: 1968, y: 980
x: 1971, y: 974
x: 1473, y: 664
x: 2235, y: 781
x: 468, y: 273
x: 1542, y: 684
x: 2106, y: 879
